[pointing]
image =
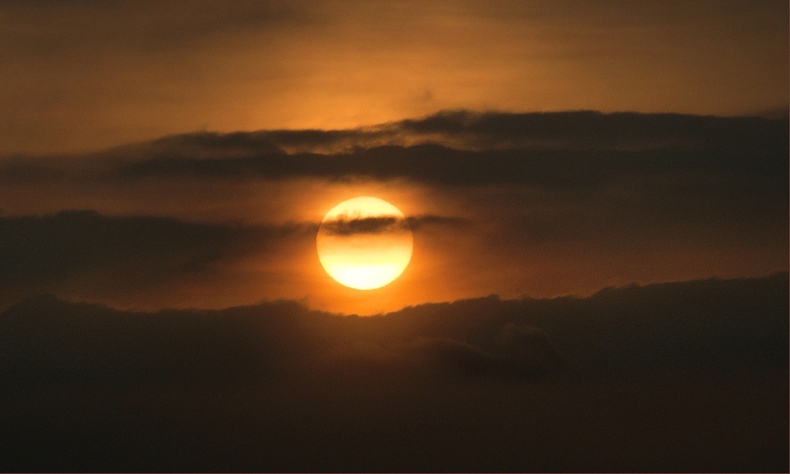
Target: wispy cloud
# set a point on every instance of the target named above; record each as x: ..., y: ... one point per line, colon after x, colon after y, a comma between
x: 344, y: 225
x: 571, y: 148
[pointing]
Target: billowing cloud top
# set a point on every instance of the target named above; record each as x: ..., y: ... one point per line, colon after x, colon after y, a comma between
x: 471, y: 384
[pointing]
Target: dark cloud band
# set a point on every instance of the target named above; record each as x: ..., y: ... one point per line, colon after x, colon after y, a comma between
x: 570, y: 149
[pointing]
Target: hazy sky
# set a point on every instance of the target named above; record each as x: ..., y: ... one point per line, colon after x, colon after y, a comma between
x: 83, y: 75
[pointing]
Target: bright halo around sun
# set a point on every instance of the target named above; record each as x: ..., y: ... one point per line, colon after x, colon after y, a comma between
x: 364, y: 243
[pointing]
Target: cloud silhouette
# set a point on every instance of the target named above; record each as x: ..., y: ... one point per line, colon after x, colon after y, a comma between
x: 462, y: 147
x: 72, y: 251
x: 84, y: 251
x: 687, y: 196
x: 43, y: 248
x: 590, y: 130
x: 708, y: 324
x: 613, y: 181
x: 240, y: 387
x: 50, y: 247
x: 527, y: 348
x: 344, y: 225
x: 431, y: 163
x: 624, y: 197
x: 639, y: 173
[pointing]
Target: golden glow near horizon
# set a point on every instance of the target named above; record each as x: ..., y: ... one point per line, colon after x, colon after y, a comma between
x: 364, y: 243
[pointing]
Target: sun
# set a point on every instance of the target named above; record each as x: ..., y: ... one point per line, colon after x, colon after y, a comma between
x: 364, y: 243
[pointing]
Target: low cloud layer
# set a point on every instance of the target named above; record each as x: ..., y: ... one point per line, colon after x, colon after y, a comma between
x: 710, y: 325
x: 234, y: 388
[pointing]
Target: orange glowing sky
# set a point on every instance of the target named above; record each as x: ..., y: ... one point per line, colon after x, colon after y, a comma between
x: 85, y: 75
x: 579, y: 211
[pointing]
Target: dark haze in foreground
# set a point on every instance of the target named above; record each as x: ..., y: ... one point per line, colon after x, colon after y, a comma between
x: 689, y: 376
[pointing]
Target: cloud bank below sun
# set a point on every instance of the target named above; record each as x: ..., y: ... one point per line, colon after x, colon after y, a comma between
x: 611, y: 381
